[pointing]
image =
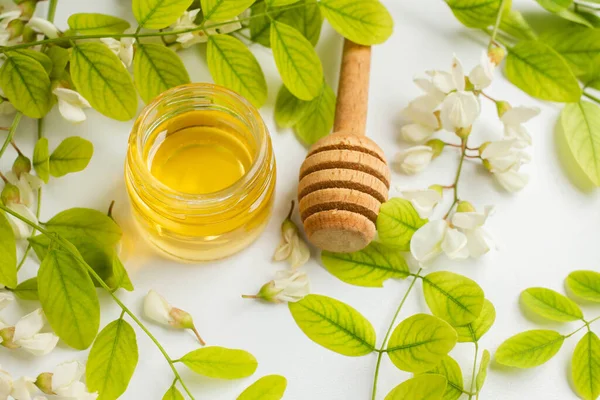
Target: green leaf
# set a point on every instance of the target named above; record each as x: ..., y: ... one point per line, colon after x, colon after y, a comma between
x: 317, y: 119
x: 69, y: 299
x: 421, y: 387
x: 270, y: 387
x: 334, y: 325
x: 173, y: 394
x: 476, y: 13
x: 219, y: 362
x: 280, y: 3
x: 529, y: 349
x: 119, y: 277
x: 41, y: 159
x: 482, y: 373
x: 551, y: 305
x: 572, y: 16
x: 112, y: 360
x: 288, y: 108
x: 540, y: 71
x: 555, y: 5
x: 97, y: 24
x: 579, y: 46
x: 420, y: 342
x: 223, y: 10
x: 8, y: 254
x: 260, y: 24
x: 454, y: 298
x: 232, y: 65
x: 581, y: 125
x: 27, y: 290
x: 42, y: 58
x: 60, y: 58
x: 158, y: 14
x: 585, y: 284
x: 449, y: 369
x: 369, y: 267
x: 101, y: 78
x: 366, y: 22
x: 397, y: 222
x: 72, y: 155
x: 514, y: 24
x: 476, y: 329
x: 306, y: 18
x: 585, y: 367
x: 297, y: 61
x: 26, y: 84
x: 157, y: 68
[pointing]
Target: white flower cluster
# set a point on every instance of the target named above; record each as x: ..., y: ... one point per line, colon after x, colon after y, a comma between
x: 18, y: 195
x: 188, y: 22
x: 63, y: 383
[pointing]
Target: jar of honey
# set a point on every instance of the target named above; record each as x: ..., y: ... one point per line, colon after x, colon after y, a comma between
x: 200, y: 172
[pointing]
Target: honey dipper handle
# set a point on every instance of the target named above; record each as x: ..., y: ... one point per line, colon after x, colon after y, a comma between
x: 353, y: 91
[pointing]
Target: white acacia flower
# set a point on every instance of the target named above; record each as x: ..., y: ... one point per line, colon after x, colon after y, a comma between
x: 5, y: 299
x: 71, y: 104
x: 459, y: 110
x: 6, y: 34
x: 18, y: 196
x: 430, y: 89
x: 513, y: 120
x: 435, y: 238
x: 292, y: 247
x: 66, y: 382
x: 24, y: 389
x: 188, y: 21
x: 27, y: 185
x: 44, y: 26
x: 512, y: 180
x: 424, y: 201
x: 471, y: 224
x: 6, y: 384
x: 425, y: 122
x: 447, y: 82
x: 414, y: 159
x: 27, y: 334
x: 482, y: 75
x: 122, y: 48
x: 503, y: 155
x: 288, y: 286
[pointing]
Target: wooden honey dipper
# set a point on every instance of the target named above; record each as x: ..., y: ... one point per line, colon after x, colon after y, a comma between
x: 345, y: 177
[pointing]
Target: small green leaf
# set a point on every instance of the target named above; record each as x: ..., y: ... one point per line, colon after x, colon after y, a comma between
x: 27, y: 290
x: 232, y: 65
x: 397, y: 222
x: 101, y: 78
x: 157, y: 68
x: 41, y: 159
x: 158, y: 14
x: 260, y: 24
x: 482, y: 373
x: 42, y: 58
x: 369, y: 267
x: 551, y: 305
x: 514, y: 24
x: 572, y: 16
x: 476, y: 329
x: 540, y: 71
x: 26, y: 84
x: 555, y: 5
x: 317, y: 119
x: 60, y: 58
x: 585, y: 367
x: 476, y: 13
x: 270, y: 387
x: 219, y: 362
x: 421, y: 387
x: 85, y: 223
x: 280, y: 3
x: 585, y: 284
x: 173, y: 394
x: 72, y: 155
x: 334, y: 325
x: 97, y: 24
x: 288, y: 108
x: 297, y: 61
x: 579, y: 46
x: 112, y: 360
x: 529, y: 349
x: 119, y: 277
x: 420, y: 342
x: 8, y: 254
x: 581, y: 125
x: 69, y: 299
x: 366, y: 22
x: 454, y: 298
x: 450, y: 370
x: 223, y: 10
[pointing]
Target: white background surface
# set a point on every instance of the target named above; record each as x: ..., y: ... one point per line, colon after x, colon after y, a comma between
x: 544, y: 232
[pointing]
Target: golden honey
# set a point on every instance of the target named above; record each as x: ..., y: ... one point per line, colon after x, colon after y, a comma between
x: 200, y: 172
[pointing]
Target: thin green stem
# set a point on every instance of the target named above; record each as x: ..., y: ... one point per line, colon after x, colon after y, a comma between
x: 67, y: 247
x: 454, y: 185
x: 474, y: 369
x: 52, y: 10
x: 591, y: 97
x: 586, y: 325
x: 389, y: 332
x: 497, y: 25
x: 11, y: 133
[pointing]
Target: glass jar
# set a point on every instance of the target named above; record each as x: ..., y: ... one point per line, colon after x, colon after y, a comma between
x: 200, y: 224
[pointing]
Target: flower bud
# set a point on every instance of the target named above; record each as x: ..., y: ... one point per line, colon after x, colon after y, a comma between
x: 464, y: 133
x: 22, y: 164
x: 496, y: 55
x: 502, y: 107
x: 6, y: 338
x: 44, y: 382
x: 437, y: 115
x: 482, y: 147
x: 437, y: 188
x: 437, y: 146
x: 15, y: 28
x: 10, y: 194
x: 465, y: 206
x: 29, y: 35
x: 488, y: 165
x: 27, y: 8
x: 181, y: 319
x: 469, y: 87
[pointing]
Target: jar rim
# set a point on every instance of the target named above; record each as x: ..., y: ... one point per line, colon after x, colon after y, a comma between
x: 249, y: 115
